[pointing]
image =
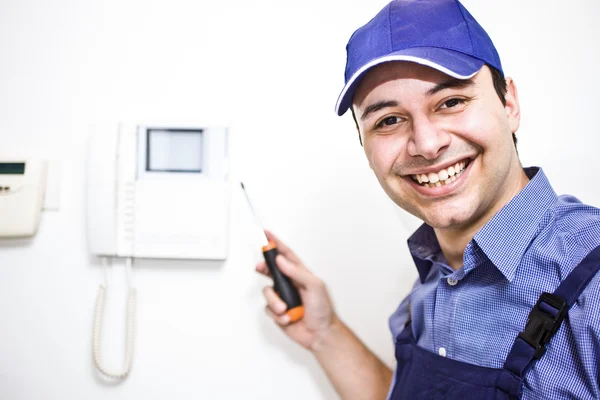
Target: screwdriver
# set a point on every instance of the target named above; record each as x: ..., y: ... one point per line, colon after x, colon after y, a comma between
x: 282, y: 285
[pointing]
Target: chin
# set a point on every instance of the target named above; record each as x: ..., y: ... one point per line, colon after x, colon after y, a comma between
x: 443, y: 220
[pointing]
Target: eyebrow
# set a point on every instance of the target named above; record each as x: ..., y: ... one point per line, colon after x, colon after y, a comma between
x: 450, y: 84
x: 378, y: 106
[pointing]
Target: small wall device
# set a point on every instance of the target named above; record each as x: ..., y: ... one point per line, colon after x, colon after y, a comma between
x: 158, y: 191
x: 22, y: 188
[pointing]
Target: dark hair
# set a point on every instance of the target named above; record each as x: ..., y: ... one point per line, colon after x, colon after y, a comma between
x: 499, y: 85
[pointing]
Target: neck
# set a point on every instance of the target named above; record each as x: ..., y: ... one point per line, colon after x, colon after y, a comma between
x: 453, y: 244
x: 454, y: 240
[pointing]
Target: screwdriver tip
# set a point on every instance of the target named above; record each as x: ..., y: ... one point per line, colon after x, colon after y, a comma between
x: 242, y: 183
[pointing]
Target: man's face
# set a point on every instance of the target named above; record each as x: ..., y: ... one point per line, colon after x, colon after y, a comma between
x: 441, y: 148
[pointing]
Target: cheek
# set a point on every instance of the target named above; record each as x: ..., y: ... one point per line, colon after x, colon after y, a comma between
x: 482, y: 127
x: 382, y: 152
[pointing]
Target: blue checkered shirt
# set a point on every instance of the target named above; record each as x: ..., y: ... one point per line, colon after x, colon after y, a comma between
x: 474, y: 314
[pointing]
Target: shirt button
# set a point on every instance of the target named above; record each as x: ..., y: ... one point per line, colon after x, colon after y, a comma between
x: 442, y: 352
x: 452, y: 281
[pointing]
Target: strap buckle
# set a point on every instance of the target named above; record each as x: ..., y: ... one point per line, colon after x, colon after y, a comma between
x: 543, y: 322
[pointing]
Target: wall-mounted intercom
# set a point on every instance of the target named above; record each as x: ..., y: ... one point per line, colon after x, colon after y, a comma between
x: 154, y: 191
x: 22, y: 188
x: 158, y: 191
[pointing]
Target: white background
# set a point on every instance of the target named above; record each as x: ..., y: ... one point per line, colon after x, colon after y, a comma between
x: 271, y: 71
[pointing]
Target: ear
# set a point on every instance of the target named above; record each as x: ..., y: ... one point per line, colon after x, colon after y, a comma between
x: 512, y: 108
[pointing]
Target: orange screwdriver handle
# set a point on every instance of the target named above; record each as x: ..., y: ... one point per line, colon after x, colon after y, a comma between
x: 282, y: 285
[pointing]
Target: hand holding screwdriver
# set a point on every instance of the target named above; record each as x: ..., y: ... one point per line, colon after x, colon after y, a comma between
x: 298, y: 300
x: 282, y: 285
x: 319, y: 315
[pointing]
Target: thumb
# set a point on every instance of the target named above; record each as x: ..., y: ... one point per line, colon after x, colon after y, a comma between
x: 283, y: 249
x: 300, y: 276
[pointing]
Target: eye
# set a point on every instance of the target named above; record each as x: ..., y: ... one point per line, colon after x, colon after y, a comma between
x: 388, y: 121
x: 451, y: 103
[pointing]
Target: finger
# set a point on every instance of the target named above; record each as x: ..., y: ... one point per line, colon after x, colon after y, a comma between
x: 301, y: 276
x: 281, y: 320
x: 283, y: 249
x: 274, y: 302
x: 262, y: 268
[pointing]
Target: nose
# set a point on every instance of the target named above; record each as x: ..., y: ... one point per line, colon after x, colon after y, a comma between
x: 427, y: 139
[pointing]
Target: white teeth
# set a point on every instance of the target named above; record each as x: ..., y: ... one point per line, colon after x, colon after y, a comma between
x: 433, y: 177
x: 442, y: 177
x: 443, y: 174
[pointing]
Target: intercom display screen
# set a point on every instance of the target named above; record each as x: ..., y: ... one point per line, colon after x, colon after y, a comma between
x: 174, y: 150
x: 12, y: 168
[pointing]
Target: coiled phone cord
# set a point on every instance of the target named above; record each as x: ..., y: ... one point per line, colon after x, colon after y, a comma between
x: 129, y: 334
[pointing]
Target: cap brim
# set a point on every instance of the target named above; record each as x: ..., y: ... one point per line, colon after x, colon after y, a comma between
x: 452, y: 63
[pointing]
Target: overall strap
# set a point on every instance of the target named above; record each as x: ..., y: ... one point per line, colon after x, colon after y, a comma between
x: 547, y: 315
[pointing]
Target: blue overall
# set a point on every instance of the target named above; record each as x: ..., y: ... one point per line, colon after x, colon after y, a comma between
x: 421, y: 374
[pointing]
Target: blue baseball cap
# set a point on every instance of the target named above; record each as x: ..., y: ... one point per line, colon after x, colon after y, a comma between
x: 440, y: 34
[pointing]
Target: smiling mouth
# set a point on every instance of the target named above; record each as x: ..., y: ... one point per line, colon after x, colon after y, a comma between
x: 442, y: 177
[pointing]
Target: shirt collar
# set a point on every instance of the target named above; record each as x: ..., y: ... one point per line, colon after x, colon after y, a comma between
x: 423, y: 246
x: 513, y: 227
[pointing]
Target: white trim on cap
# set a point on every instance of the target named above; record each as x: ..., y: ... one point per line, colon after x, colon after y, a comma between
x: 397, y: 57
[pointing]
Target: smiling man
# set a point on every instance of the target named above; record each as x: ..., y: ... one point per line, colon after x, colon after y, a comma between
x: 441, y: 148
x: 507, y: 304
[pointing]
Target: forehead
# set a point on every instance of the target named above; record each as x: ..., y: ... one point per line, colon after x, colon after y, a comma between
x: 401, y: 73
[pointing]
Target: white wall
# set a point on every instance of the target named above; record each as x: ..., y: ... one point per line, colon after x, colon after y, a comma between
x: 270, y: 70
